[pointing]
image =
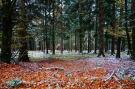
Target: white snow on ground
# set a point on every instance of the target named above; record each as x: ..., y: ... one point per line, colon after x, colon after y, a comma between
x: 42, y: 54
x: 36, y: 54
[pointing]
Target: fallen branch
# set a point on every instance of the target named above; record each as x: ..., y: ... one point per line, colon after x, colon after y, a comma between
x: 53, y: 68
x: 109, y: 77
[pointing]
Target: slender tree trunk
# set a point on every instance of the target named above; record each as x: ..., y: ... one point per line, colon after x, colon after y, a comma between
x: 89, y: 41
x: 123, y: 44
x: 118, y: 55
x: 118, y: 47
x: 49, y: 27
x: 96, y: 36
x: 113, y: 27
x: 101, y: 28
x: 96, y: 28
x: 75, y: 40
x: 62, y: 45
x: 89, y: 29
x: 62, y: 41
x: 23, y: 55
x: 126, y: 26
x: 70, y: 42
x: 46, y: 31
x: 106, y: 42
x: 133, y: 28
x: 80, y: 41
x: 80, y: 30
x: 53, y: 30
x: 7, y: 26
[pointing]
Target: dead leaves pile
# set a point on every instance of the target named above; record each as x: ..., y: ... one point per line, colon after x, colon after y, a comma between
x: 81, y: 74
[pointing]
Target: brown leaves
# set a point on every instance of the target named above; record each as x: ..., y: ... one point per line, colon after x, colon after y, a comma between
x: 81, y: 74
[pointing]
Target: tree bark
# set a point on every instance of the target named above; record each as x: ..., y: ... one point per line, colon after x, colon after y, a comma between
x: 113, y: 28
x: 106, y: 42
x: 46, y: 31
x: 96, y: 28
x: 126, y: 26
x: 80, y: 30
x: 53, y: 30
x: 118, y: 47
x: 7, y: 26
x: 89, y: 41
x: 101, y: 28
x: 133, y: 28
x: 89, y: 28
x: 76, y: 40
x: 62, y: 40
x: 23, y: 55
x: 118, y: 55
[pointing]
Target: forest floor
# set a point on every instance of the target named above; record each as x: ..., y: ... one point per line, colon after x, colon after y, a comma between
x: 88, y: 73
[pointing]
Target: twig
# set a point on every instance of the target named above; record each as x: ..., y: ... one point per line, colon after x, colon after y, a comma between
x: 108, y: 78
x: 53, y: 68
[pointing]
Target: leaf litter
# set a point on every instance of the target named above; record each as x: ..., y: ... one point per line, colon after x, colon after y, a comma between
x: 92, y: 73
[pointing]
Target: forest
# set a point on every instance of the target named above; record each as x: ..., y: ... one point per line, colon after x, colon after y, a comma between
x: 67, y: 44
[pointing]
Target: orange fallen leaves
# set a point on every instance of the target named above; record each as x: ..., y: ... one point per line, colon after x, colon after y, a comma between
x: 60, y: 75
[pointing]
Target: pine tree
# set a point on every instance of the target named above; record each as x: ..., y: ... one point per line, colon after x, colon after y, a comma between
x: 113, y: 24
x: 23, y: 50
x: 7, y: 25
x: 101, y: 28
x: 126, y: 27
x: 133, y: 28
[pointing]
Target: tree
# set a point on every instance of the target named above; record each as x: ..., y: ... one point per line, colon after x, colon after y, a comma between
x: 7, y: 25
x: 119, y: 37
x: 101, y: 28
x: 133, y: 28
x: 62, y: 40
x: 80, y: 29
x: 96, y: 27
x: 126, y: 27
x: 89, y: 25
x: 53, y: 29
x: 23, y: 50
x: 113, y: 24
x: 45, y: 38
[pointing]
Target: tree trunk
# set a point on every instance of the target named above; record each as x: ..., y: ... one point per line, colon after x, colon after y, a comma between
x: 46, y: 31
x: 106, y: 42
x: 23, y: 55
x: 113, y: 27
x: 118, y: 47
x: 89, y: 41
x: 70, y: 41
x: 62, y: 44
x: 62, y: 40
x: 133, y: 29
x: 101, y: 28
x: 53, y: 30
x: 76, y: 40
x: 119, y: 37
x: 123, y: 45
x: 80, y: 30
x: 96, y: 28
x: 7, y: 26
x: 89, y: 27
x: 126, y: 26
x: 80, y: 41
